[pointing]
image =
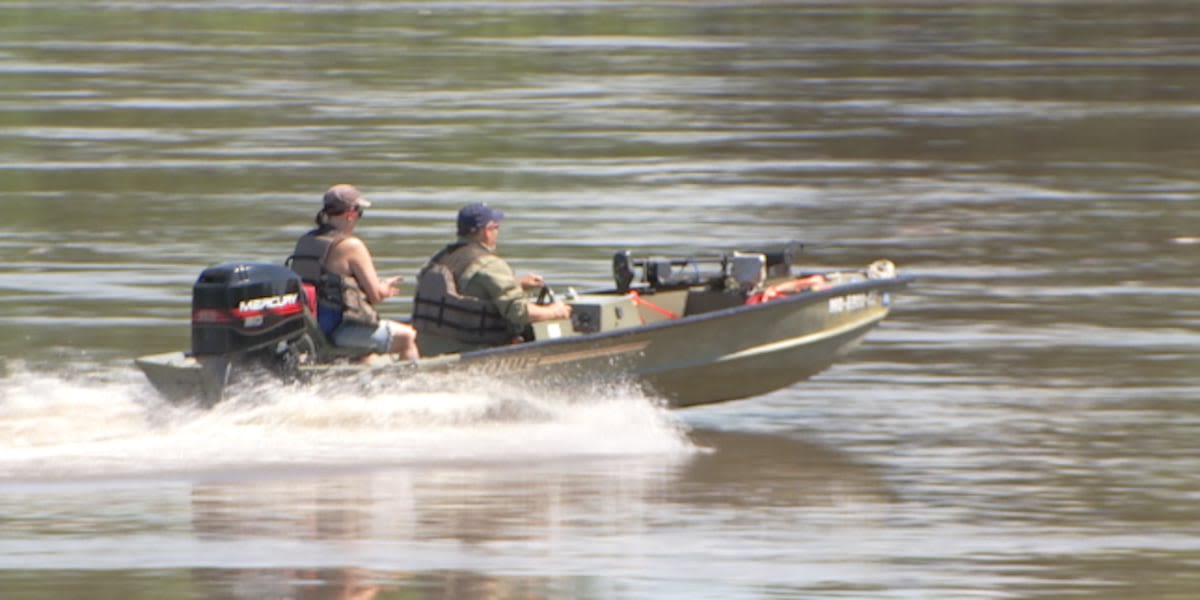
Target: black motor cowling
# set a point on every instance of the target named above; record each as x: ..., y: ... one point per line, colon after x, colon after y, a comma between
x: 241, y: 307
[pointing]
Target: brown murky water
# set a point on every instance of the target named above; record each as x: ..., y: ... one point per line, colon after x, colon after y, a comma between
x: 1024, y: 425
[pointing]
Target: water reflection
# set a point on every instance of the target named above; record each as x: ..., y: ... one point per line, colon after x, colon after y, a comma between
x: 753, y: 471
x: 490, y: 502
x: 449, y: 527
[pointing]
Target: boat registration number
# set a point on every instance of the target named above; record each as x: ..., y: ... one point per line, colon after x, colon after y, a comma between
x: 852, y: 302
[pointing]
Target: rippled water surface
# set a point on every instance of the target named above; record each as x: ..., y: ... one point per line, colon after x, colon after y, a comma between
x: 1024, y: 425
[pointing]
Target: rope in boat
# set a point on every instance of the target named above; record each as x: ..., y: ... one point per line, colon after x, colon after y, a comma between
x: 638, y: 300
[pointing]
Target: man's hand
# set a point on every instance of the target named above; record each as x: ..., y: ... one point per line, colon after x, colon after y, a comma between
x: 561, y: 311
x: 548, y: 312
x: 532, y: 281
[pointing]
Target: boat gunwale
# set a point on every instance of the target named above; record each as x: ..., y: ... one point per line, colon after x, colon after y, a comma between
x: 867, y: 285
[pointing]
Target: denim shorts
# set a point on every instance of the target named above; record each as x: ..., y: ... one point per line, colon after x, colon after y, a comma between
x: 353, y: 335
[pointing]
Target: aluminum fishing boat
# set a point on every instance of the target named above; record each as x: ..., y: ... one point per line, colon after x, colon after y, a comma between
x: 692, y: 331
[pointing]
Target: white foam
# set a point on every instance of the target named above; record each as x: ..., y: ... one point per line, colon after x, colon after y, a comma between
x: 103, y: 425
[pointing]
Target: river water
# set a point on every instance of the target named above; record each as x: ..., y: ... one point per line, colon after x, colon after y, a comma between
x: 1024, y: 425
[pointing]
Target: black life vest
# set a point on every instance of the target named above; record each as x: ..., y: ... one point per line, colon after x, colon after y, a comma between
x: 439, y: 308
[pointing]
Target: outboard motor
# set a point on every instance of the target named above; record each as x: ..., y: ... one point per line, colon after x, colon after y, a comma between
x: 240, y: 310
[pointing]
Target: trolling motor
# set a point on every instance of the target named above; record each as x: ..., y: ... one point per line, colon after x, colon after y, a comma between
x: 746, y: 268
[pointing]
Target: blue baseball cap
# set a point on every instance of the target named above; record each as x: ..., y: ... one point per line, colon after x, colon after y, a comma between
x: 473, y: 217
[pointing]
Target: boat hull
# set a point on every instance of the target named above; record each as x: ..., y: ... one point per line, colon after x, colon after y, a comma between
x: 726, y: 354
x: 715, y: 357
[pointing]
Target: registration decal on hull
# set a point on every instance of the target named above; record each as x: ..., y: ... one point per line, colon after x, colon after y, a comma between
x: 853, y: 302
x: 841, y: 304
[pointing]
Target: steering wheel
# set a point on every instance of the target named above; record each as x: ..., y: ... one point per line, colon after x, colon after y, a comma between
x: 545, y: 296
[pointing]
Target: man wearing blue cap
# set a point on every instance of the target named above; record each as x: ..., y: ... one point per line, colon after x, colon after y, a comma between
x: 469, y: 298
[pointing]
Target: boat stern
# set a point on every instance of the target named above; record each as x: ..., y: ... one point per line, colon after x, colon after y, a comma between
x: 180, y: 377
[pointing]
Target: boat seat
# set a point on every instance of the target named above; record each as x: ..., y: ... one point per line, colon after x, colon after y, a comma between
x: 322, y: 345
